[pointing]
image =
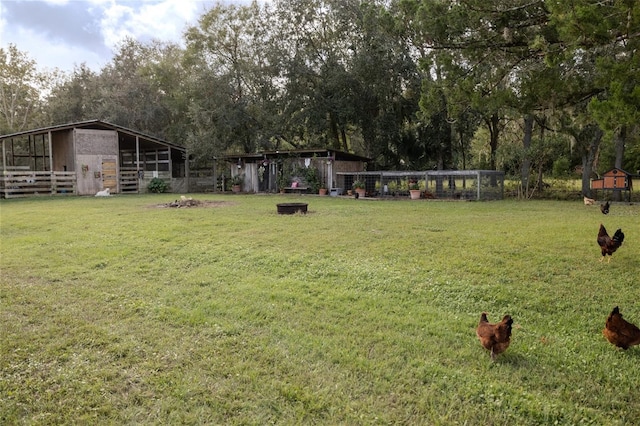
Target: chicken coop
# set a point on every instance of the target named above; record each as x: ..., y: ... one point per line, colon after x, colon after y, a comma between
x: 614, y: 180
x: 477, y: 185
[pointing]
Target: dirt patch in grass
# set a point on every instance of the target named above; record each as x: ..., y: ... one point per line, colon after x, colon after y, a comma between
x: 184, y: 202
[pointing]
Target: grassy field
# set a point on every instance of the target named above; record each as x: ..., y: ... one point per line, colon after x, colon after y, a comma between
x: 116, y: 311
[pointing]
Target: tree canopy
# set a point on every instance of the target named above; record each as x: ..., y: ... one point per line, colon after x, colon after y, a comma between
x: 412, y: 84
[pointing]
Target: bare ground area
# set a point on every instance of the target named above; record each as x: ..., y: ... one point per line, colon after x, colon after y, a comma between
x: 188, y: 202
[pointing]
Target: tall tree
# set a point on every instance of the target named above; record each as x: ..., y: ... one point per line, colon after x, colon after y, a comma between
x: 76, y: 98
x: 131, y: 93
x: 317, y: 41
x: 233, y: 88
x: 605, y: 36
x: 22, y: 90
x: 387, y: 90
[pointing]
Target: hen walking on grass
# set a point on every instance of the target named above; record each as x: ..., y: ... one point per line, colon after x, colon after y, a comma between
x: 494, y: 337
x: 620, y: 332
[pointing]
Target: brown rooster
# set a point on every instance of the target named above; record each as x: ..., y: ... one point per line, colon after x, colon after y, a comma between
x: 620, y: 332
x: 607, y: 244
x: 494, y: 337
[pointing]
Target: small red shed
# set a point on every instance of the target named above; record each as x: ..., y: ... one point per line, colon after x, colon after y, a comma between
x: 613, y: 180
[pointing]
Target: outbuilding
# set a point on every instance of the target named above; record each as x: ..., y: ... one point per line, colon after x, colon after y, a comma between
x: 614, y: 180
x: 285, y: 170
x: 85, y: 157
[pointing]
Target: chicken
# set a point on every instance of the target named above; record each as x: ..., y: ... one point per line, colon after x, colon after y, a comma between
x: 604, y: 208
x: 104, y: 193
x: 607, y: 244
x: 494, y: 337
x: 588, y: 201
x: 619, y: 332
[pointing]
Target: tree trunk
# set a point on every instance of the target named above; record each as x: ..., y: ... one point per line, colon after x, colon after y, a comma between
x: 619, y: 140
x: 526, y: 162
x: 494, y: 131
x: 588, y: 157
x: 345, y: 142
x: 333, y: 131
x: 539, y: 182
x: 464, y: 155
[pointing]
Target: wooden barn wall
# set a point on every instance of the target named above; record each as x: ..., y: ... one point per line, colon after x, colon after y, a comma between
x: 93, y: 148
x: 345, y: 167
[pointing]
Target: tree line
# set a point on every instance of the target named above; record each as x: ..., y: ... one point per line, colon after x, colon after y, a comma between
x: 527, y: 86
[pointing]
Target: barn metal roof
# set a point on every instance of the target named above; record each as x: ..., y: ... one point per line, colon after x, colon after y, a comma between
x: 92, y: 125
x: 335, y: 154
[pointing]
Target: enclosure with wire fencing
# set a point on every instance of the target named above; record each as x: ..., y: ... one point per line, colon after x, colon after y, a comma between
x: 435, y: 184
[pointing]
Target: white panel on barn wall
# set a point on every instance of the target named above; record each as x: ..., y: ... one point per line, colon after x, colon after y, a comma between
x: 250, y: 177
x: 96, y: 142
x: 89, y: 173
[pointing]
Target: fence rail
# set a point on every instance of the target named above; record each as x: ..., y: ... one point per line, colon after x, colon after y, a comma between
x: 18, y: 183
x: 129, y: 181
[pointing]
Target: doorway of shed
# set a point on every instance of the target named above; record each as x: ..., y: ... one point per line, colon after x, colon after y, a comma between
x: 109, y: 175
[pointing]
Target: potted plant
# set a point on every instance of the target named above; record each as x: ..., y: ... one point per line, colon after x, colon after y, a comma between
x: 403, y: 186
x: 236, y: 182
x: 312, y: 177
x: 392, y: 186
x: 414, y: 190
x: 282, y: 182
x: 323, y: 187
x: 323, y: 190
x: 359, y: 187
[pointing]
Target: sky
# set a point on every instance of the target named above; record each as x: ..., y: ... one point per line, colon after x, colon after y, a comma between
x: 66, y: 33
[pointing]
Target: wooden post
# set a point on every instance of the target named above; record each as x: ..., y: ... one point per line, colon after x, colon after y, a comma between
x: 4, y: 167
x: 44, y: 155
x: 53, y: 185
x: 4, y: 156
x: 138, y: 162
x: 170, y: 163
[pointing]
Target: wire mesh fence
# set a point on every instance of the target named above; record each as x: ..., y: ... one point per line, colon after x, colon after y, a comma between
x: 441, y: 184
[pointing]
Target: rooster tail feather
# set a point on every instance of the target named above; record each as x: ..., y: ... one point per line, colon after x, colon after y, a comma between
x: 618, y: 237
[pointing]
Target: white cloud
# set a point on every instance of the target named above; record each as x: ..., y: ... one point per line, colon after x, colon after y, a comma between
x: 160, y: 20
x: 50, y: 53
x: 64, y: 33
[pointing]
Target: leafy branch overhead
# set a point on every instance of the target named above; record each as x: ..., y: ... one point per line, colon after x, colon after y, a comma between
x: 412, y: 84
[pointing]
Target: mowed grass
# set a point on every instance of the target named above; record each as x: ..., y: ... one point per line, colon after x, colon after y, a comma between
x: 116, y: 311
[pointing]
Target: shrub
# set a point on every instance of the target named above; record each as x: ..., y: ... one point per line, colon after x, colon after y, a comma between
x: 561, y: 167
x: 157, y: 185
x: 237, y: 179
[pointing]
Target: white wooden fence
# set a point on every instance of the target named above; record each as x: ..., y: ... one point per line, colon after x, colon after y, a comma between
x: 18, y: 183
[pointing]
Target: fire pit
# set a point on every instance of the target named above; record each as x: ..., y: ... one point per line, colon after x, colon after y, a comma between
x: 291, y: 208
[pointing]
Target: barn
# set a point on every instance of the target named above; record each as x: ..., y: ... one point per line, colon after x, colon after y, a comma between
x: 85, y: 157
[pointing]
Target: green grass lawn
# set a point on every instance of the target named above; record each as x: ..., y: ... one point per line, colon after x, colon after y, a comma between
x: 116, y: 311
